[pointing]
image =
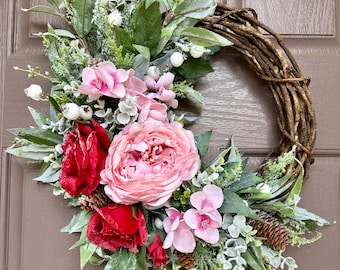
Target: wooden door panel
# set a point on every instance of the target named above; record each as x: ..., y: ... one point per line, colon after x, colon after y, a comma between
x: 237, y: 104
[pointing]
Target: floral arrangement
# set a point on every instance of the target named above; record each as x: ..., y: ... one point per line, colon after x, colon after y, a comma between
x: 117, y: 149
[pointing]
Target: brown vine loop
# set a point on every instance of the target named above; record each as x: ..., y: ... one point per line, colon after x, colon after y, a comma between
x: 272, y: 61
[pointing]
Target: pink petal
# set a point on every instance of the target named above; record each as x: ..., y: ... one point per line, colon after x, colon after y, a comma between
x: 209, y: 235
x: 184, y: 241
x: 121, y: 75
x: 214, y: 194
x: 150, y: 82
x: 192, y: 218
x: 168, y: 240
x: 198, y: 199
x: 165, y: 80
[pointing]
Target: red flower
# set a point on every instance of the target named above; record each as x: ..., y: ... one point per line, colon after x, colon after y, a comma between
x: 156, y: 252
x: 115, y: 226
x: 85, y: 151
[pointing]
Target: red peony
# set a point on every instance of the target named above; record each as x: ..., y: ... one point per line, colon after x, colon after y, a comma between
x: 85, y: 151
x: 115, y: 226
x: 156, y: 252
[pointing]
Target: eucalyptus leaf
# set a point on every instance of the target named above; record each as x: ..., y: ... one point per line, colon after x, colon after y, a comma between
x: 82, y: 16
x: 205, y: 37
x: 234, y: 204
x: 37, y: 136
x: 43, y: 9
x: 78, y: 221
x: 248, y: 179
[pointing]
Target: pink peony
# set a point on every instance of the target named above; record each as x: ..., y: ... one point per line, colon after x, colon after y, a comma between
x: 147, y: 161
x: 179, y: 234
x: 104, y: 79
x: 205, y: 219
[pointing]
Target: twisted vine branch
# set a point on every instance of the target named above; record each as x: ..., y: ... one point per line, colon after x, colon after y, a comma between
x: 272, y: 61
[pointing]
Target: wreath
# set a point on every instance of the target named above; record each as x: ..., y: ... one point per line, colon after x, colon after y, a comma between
x: 117, y: 149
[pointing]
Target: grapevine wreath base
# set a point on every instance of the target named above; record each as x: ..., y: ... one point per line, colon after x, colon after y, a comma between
x: 251, y: 236
x: 272, y: 61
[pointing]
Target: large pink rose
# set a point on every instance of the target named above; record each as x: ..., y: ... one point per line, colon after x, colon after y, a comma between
x: 147, y: 161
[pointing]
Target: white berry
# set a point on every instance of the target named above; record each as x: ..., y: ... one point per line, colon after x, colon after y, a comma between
x: 176, y: 59
x: 71, y: 111
x: 85, y: 112
x: 154, y: 72
x: 196, y: 51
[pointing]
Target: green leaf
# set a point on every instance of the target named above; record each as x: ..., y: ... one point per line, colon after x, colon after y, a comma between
x: 78, y: 221
x: 142, y: 265
x: 50, y: 175
x: 53, y: 2
x: 140, y: 65
x: 233, y: 153
x: 82, y: 16
x: 124, y: 39
x: 205, y: 37
x: 54, y: 104
x: 254, y: 260
x: 122, y: 260
x: 248, y: 179
x: 234, y: 204
x: 144, y: 51
x: 195, y: 68
x: 42, y: 8
x: 296, y: 188
x: 39, y: 118
x: 303, y: 214
x: 195, y: 8
x: 147, y: 26
x: 38, y: 136
x: 86, y: 252
x: 64, y: 33
x: 202, y: 142
x: 32, y: 151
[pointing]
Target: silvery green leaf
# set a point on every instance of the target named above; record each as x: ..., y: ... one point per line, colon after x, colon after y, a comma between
x: 39, y: 118
x: 234, y: 204
x: 140, y: 65
x: 50, y: 175
x: 42, y: 8
x: 202, y: 142
x: 195, y: 8
x: 205, y: 37
x: 144, y: 51
x: 78, y: 221
x: 303, y: 214
x: 86, y: 252
x: 38, y: 136
x: 64, y: 33
x: 32, y: 151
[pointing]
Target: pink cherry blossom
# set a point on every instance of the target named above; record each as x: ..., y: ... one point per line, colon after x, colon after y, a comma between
x: 104, y: 79
x: 205, y: 219
x: 179, y: 234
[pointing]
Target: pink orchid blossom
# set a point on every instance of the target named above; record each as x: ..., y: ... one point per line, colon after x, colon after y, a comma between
x: 134, y: 85
x: 104, y: 79
x: 162, y: 86
x: 179, y: 234
x: 205, y: 219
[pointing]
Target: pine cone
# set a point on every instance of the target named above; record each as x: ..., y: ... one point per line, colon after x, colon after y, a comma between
x: 187, y: 260
x: 97, y: 198
x: 276, y: 235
